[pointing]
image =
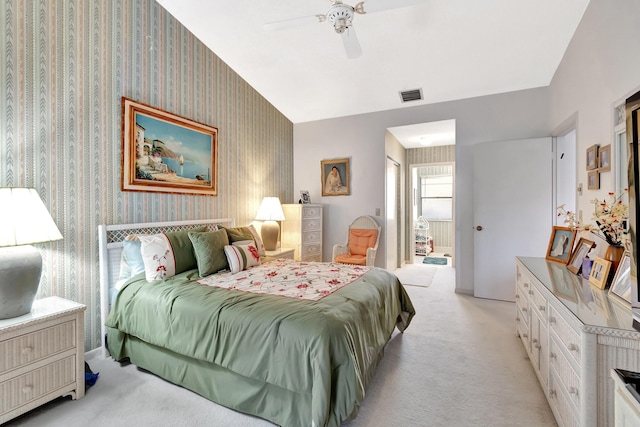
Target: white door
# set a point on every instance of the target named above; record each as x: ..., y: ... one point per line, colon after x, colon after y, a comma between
x: 392, y: 216
x: 513, y: 214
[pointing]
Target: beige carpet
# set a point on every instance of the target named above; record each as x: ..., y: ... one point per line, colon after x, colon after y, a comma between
x: 458, y: 364
x: 417, y: 274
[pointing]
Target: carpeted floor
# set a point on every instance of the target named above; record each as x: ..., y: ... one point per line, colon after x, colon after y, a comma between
x: 458, y: 364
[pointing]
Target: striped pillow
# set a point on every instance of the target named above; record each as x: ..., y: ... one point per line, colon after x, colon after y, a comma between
x: 241, y: 257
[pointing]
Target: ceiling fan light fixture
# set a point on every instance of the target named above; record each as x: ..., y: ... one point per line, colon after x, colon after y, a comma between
x: 340, y: 16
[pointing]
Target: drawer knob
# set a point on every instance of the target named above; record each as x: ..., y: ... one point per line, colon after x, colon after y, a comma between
x: 573, y: 390
x: 552, y: 355
x: 530, y: 292
x: 517, y: 296
x: 572, y: 347
x: 517, y: 319
x: 542, y: 307
x: 552, y: 319
x: 525, y: 335
x: 552, y: 393
x: 27, y: 350
x: 524, y: 309
x: 526, y: 285
x: 27, y: 389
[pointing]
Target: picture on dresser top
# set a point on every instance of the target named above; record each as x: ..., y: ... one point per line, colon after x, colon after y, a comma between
x: 561, y: 244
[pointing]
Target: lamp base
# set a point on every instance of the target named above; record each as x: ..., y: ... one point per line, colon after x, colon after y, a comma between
x: 269, y: 233
x: 20, y: 268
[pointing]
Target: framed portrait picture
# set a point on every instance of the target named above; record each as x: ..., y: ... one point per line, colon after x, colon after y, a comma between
x: 561, y: 244
x: 592, y: 157
x: 604, y: 159
x: 621, y: 284
x: 335, y: 177
x: 166, y: 153
x: 600, y: 272
x: 304, y: 197
x: 578, y: 255
x: 593, y: 180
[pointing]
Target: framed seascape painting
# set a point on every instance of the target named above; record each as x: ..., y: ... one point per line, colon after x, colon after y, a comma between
x: 561, y: 244
x: 335, y: 177
x: 166, y: 153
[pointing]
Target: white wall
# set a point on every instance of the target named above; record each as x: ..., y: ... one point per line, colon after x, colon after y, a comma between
x: 600, y: 68
x: 513, y: 115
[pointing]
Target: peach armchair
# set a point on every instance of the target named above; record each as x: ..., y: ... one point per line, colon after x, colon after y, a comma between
x: 362, y: 243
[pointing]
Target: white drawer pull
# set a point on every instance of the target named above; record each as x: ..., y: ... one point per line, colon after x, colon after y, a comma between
x: 552, y: 355
x: 573, y: 390
x: 552, y: 319
x: 517, y: 319
x: 524, y: 309
x: 26, y: 350
x: 27, y: 389
x: 517, y: 296
x: 542, y: 307
x: 526, y: 285
x: 552, y: 393
x: 530, y: 292
x: 525, y: 335
x: 572, y: 347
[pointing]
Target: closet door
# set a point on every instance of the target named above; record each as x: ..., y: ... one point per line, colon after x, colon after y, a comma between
x: 512, y: 202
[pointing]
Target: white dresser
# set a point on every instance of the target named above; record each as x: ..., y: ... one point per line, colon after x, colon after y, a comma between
x: 302, y: 231
x: 574, y: 335
x: 41, y: 356
x: 627, y: 399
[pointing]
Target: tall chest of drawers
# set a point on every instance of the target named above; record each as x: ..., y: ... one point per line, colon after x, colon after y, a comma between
x: 302, y: 230
x: 41, y: 356
x: 574, y: 334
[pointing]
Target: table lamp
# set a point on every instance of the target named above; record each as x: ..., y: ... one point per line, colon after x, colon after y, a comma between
x: 24, y: 220
x: 270, y: 211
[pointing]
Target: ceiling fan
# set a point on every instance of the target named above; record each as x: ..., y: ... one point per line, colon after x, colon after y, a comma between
x: 340, y: 16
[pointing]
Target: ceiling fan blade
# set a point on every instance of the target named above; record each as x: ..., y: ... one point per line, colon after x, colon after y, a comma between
x: 294, y: 22
x: 371, y: 6
x: 351, y: 43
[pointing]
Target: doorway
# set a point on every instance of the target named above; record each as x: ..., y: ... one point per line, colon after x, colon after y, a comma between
x: 432, y: 214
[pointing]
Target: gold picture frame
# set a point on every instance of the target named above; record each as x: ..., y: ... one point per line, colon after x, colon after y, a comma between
x: 166, y: 153
x: 621, y: 284
x: 561, y: 244
x: 593, y: 180
x: 578, y: 255
x: 604, y: 159
x: 592, y: 157
x: 600, y: 272
x: 335, y: 177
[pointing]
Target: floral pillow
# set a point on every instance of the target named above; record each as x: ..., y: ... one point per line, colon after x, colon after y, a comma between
x: 241, y: 257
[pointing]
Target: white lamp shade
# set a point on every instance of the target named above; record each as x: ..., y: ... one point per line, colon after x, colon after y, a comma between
x: 24, y: 219
x: 270, y: 210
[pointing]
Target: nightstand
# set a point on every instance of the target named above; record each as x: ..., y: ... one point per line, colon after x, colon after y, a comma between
x: 41, y: 356
x: 286, y: 253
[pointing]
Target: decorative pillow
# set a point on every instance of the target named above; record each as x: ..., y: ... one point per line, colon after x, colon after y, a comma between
x: 167, y: 254
x: 360, y: 239
x: 237, y: 234
x: 257, y: 239
x: 159, y: 260
x: 131, y: 262
x: 209, y: 250
x: 241, y: 257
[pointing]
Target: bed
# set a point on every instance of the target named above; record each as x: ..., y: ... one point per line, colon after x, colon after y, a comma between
x: 293, y: 343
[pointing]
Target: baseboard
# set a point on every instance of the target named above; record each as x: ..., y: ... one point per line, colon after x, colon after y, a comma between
x: 96, y: 353
x: 464, y: 291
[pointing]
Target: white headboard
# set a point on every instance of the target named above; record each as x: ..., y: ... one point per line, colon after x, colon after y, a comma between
x: 110, y: 238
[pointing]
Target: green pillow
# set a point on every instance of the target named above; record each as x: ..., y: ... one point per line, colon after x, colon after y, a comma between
x: 183, y: 249
x: 238, y: 234
x: 209, y: 251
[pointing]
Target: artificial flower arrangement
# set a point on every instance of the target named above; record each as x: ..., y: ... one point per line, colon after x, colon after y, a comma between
x: 611, y: 217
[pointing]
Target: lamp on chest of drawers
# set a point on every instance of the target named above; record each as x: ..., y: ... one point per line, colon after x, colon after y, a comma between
x: 270, y: 211
x: 24, y: 220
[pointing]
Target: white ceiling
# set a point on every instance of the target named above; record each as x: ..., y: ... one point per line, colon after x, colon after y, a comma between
x: 451, y: 49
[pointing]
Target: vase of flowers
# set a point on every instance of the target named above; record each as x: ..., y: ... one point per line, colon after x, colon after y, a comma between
x: 611, y: 217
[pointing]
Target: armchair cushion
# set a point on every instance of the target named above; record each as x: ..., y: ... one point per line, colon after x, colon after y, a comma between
x: 360, y: 239
x: 351, y: 259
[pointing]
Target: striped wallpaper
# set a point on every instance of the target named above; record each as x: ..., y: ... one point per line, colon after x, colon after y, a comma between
x: 68, y: 63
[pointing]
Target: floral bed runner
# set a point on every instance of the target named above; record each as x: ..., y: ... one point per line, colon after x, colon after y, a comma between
x: 303, y: 280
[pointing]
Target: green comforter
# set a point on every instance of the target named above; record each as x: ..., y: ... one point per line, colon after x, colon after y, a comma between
x: 322, y: 353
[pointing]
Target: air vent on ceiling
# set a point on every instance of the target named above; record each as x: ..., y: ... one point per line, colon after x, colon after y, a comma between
x: 411, y: 95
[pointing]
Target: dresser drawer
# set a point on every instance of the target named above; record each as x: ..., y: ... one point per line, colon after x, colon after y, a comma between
x: 311, y: 225
x: 563, y: 408
x: 538, y: 301
x: 568, y: 338
x: 567, y: 376
x: 522, y: 301
x: 311, y: 250
x: 311, y: 237
x: 26, y: 388
x: 25, y: 349
x: 311, y: 212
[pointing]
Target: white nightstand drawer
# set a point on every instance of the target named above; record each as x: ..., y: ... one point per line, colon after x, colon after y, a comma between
x: 311, y: 237
x: 568, y: 377
x: 34, y: 346
x: 311, y: 225
x: 568, y: 337
x: 311, y: 250
x: 311, y: 212
x: 26, y: 388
